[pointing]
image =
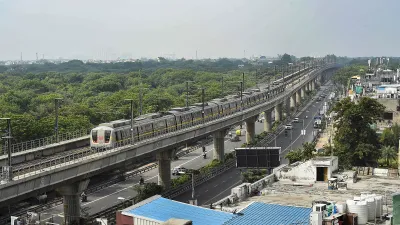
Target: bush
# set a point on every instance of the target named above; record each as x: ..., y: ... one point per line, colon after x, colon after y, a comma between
x: 180, y: 180
x: 252, y: 176
x: 229, y: 156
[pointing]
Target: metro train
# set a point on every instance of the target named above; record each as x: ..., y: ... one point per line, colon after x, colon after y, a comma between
x: 107, y: 135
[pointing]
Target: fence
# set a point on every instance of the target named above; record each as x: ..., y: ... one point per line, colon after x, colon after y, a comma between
x: 95, y: 188
x: 43, y: 142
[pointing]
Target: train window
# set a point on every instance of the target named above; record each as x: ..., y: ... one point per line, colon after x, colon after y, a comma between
x: 107, y: 136
x: 94, y: 136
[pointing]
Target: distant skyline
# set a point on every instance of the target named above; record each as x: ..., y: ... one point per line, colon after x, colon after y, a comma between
x: 100, y: 29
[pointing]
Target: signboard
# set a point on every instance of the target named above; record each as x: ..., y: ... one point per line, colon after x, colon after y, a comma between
x: 258, y: 157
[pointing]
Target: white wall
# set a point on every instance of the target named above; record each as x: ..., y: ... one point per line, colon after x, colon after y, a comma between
x: 307, y: 171
x: 303, y: 171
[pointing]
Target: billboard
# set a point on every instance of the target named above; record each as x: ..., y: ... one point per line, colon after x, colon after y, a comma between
x: 258, y: 157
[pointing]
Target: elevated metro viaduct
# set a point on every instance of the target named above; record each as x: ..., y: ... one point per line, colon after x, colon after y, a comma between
x: 71, y: 178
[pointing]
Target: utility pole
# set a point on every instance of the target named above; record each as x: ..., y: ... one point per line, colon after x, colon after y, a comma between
x: 193, y: 186
x: 243, y: 82
x: 131, y: 117
x: 241, y: 95
x: 8, y: 138
x: 222, y: 87
x: 256, y: 78
x: 291, y: 139
x: 304, y: 134
x: 56, y: 107
x: 202, y: 100
x: 140, y: 93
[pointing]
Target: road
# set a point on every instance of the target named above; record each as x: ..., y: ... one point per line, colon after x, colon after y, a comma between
x: 109, y: 196
x: 221, y: 185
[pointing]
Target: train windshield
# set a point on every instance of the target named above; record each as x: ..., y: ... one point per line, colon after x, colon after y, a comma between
x: 94, y: 136
x: 107, y: 135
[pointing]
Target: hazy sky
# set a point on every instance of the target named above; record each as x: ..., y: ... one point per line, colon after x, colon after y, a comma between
x: 215, y: 28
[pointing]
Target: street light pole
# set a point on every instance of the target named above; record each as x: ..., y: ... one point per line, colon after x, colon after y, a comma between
x: 256, y: 78
x: 243, y: 81
x: 131, y: 117
x: 8, y: 144
x: 140, y: 94
x: 304, y: 134
x: 192, y: 186
x: 291, y: 139
x: 222, y: 87
x: 241, y: 94
x: 202, y: 100
x: 56, y: 105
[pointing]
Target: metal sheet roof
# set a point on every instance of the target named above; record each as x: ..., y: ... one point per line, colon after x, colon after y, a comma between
x: 162, y: 209
x: 261, y: 214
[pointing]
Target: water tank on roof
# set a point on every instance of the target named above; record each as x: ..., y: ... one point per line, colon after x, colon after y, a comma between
x: 359, y: 207
x: 316, y: 218
x: 396, y: 208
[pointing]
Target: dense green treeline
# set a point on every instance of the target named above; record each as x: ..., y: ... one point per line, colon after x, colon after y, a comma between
x: 90, y: 98
x: 93, y: 93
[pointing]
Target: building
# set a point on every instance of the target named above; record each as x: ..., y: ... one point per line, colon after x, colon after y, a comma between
x: 258, y: 213
x: 157, y: 210
x: 161, y: 211
x: 317, y: 169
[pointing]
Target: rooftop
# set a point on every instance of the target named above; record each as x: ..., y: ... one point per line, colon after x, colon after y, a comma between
x: 162, y: 209
x: 271, y: 214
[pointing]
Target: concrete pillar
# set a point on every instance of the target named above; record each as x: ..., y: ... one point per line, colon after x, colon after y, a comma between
x: 250, y: 130
x: 298, y: 96
x: 287, y: 106
x: 72, y: 202
x: 278, y: 112
x: 268, y: 121
x: 164, y: 168
x: 293, y: 101
x: 219, y: 148
x: 303, y: 92
x: 313, y: 85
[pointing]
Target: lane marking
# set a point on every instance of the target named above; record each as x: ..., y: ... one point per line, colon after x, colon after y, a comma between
x: 230, y: 187
x: 300, y: 135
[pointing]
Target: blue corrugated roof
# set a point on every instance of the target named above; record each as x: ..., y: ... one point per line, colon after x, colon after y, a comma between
x: 261, y: 214
x: 162, y: 209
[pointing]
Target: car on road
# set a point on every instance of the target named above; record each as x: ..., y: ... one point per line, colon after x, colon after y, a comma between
x: 295, y: 120
x: 179, y: 171
x: 288, y: 127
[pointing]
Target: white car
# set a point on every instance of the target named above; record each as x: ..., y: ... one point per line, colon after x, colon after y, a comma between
x: 288, y: 126
x: 179, y: 171
x: 296, y: 120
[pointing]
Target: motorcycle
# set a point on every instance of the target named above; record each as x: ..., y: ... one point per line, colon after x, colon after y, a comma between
x: 84, y: 198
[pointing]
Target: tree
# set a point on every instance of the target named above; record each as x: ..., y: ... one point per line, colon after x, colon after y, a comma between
x: 285, y: 59
x: 308, y: 149
x: 355, y: 142
x: 294, y: 156
x: 388, y: 138
x: 146, y: 191
x: 388, y: 153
